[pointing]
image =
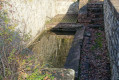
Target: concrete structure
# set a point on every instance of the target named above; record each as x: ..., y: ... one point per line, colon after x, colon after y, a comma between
x: 30, y: 16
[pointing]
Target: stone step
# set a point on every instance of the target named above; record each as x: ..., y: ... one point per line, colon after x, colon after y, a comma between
x: 91, y: 20
x: 95, y: 11
x: 92, y: 8
x: 95, y: 25
x: 90, y: 5
x: 95, y: 19
x: 94, y: 15
x: 84, y: 21
x: 96, y: 22
x: 95, y: 3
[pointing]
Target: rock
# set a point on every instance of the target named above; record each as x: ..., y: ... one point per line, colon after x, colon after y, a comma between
x: 87, y: 34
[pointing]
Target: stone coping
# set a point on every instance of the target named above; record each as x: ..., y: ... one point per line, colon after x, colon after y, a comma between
x: 73, y: 58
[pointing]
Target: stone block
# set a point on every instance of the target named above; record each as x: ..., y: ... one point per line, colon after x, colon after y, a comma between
x: 59, y: 73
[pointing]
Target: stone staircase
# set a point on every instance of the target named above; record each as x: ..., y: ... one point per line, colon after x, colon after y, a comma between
x: 95, y: 15
x: 93, y: 19
x: 94, y: 64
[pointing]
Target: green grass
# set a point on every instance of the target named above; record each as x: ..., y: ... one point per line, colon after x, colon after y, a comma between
x: 98, y: 34
x: 98, y: 42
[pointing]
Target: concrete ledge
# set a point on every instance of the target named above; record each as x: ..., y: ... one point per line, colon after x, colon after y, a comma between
x: 66, y: 27
x: 73, y: 58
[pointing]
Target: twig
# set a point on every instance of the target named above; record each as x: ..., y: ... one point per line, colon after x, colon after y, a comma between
x: 3, y: 67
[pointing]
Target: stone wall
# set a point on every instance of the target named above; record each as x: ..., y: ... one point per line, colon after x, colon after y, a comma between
x: 30, y: 15
x: 111, y: 18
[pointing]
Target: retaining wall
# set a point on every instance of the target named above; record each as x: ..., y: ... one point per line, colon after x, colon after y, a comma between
x: 111, y: 19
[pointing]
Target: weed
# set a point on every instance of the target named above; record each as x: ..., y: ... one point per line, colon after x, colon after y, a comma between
x: 10, y: 47
x: 98, y: 34
x: 98, y: 42
x: 37, y: 76
x: 93, y: 48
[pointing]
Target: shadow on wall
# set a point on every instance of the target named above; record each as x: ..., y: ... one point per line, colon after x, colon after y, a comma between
x: 66, y: 20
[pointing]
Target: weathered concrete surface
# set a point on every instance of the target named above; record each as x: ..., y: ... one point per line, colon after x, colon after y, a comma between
x: 111, y: 19
x: 73, y: 58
